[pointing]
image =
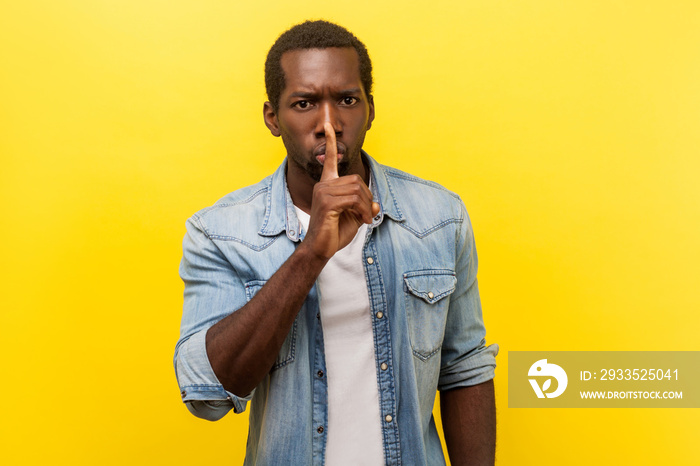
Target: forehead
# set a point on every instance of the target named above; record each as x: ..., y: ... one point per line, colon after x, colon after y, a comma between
x: 316, y: 69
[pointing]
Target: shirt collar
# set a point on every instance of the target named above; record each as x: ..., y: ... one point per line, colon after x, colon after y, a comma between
x: 279, y: 209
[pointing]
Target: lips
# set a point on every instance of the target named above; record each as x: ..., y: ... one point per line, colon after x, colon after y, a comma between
x: 320, y: 152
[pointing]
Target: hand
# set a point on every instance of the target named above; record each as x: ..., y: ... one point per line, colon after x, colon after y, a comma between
x: 340, y: 205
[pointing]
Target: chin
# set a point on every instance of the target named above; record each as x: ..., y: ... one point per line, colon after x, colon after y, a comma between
x: 314, y: 170
x: 343, y: 168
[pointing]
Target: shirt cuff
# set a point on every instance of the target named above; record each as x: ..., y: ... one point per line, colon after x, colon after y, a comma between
x: 476, y: 367
x: 197, y: 380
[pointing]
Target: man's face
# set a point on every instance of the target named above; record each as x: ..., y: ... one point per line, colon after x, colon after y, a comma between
x: 321, y: 85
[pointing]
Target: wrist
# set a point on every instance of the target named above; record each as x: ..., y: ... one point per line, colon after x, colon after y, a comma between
x: 310, y: 258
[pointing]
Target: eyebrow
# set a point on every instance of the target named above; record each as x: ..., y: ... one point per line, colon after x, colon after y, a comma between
x: 353, y: 91
x: 310, y: 94
x: 305, y: 94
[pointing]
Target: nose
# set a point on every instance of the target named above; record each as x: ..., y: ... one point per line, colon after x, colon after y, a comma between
x: 328, y: 113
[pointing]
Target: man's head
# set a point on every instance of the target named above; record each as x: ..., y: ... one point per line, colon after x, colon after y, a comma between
x: 312, y: 35
x: 320, y: 84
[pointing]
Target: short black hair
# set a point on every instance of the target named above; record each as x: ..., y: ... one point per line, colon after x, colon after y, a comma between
x: 312, y: 35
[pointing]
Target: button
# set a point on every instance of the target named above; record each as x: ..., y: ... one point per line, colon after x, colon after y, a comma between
x: 184, y: 393
x: 370, y: 261
x: 318, y: 315
x: 319, y: 373
x: 320, y: 429
x: 384, y: 366
x: 380, y: 314
x: 388, y: 418
x: 430, y: 295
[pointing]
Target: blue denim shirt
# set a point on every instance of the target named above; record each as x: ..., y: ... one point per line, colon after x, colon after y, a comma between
x: 420, y: 265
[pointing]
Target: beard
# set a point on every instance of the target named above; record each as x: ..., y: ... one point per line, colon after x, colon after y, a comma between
x: 313, y: 167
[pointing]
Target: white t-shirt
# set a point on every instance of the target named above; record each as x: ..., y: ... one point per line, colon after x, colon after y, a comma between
x: 354, y: 419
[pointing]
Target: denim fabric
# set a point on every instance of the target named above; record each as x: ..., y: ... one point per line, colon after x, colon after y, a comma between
x: 420, y: 265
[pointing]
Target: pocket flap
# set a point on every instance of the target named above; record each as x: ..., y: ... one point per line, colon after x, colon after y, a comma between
x: 430, y: 285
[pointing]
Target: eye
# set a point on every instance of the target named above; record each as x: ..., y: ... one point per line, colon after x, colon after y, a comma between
x: 302, y: 104
x: 350, y: 100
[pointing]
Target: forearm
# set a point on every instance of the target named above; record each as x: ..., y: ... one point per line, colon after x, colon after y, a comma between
x: 243, y: 346
x: 469, y: 422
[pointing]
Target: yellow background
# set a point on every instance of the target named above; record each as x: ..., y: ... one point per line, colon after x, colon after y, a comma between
x: 570, y: 128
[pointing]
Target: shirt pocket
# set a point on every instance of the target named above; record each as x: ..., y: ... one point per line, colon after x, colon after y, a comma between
x: 286, y: 354
x: 426, y: 308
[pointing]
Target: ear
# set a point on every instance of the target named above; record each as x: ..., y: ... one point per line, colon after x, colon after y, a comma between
x: 370, y: 100
x: 271, y: 119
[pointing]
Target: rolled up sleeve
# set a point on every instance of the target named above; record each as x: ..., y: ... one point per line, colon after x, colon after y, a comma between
x: 212, y: 291
x: 466, y: 359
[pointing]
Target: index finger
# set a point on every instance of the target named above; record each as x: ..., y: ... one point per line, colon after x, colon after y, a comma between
x: 330, y: 162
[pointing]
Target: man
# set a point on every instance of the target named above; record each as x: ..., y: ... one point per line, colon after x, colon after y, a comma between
x: 337, y: 294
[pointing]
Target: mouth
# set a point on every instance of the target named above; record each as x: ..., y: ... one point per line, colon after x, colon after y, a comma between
x: 320, y: 152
